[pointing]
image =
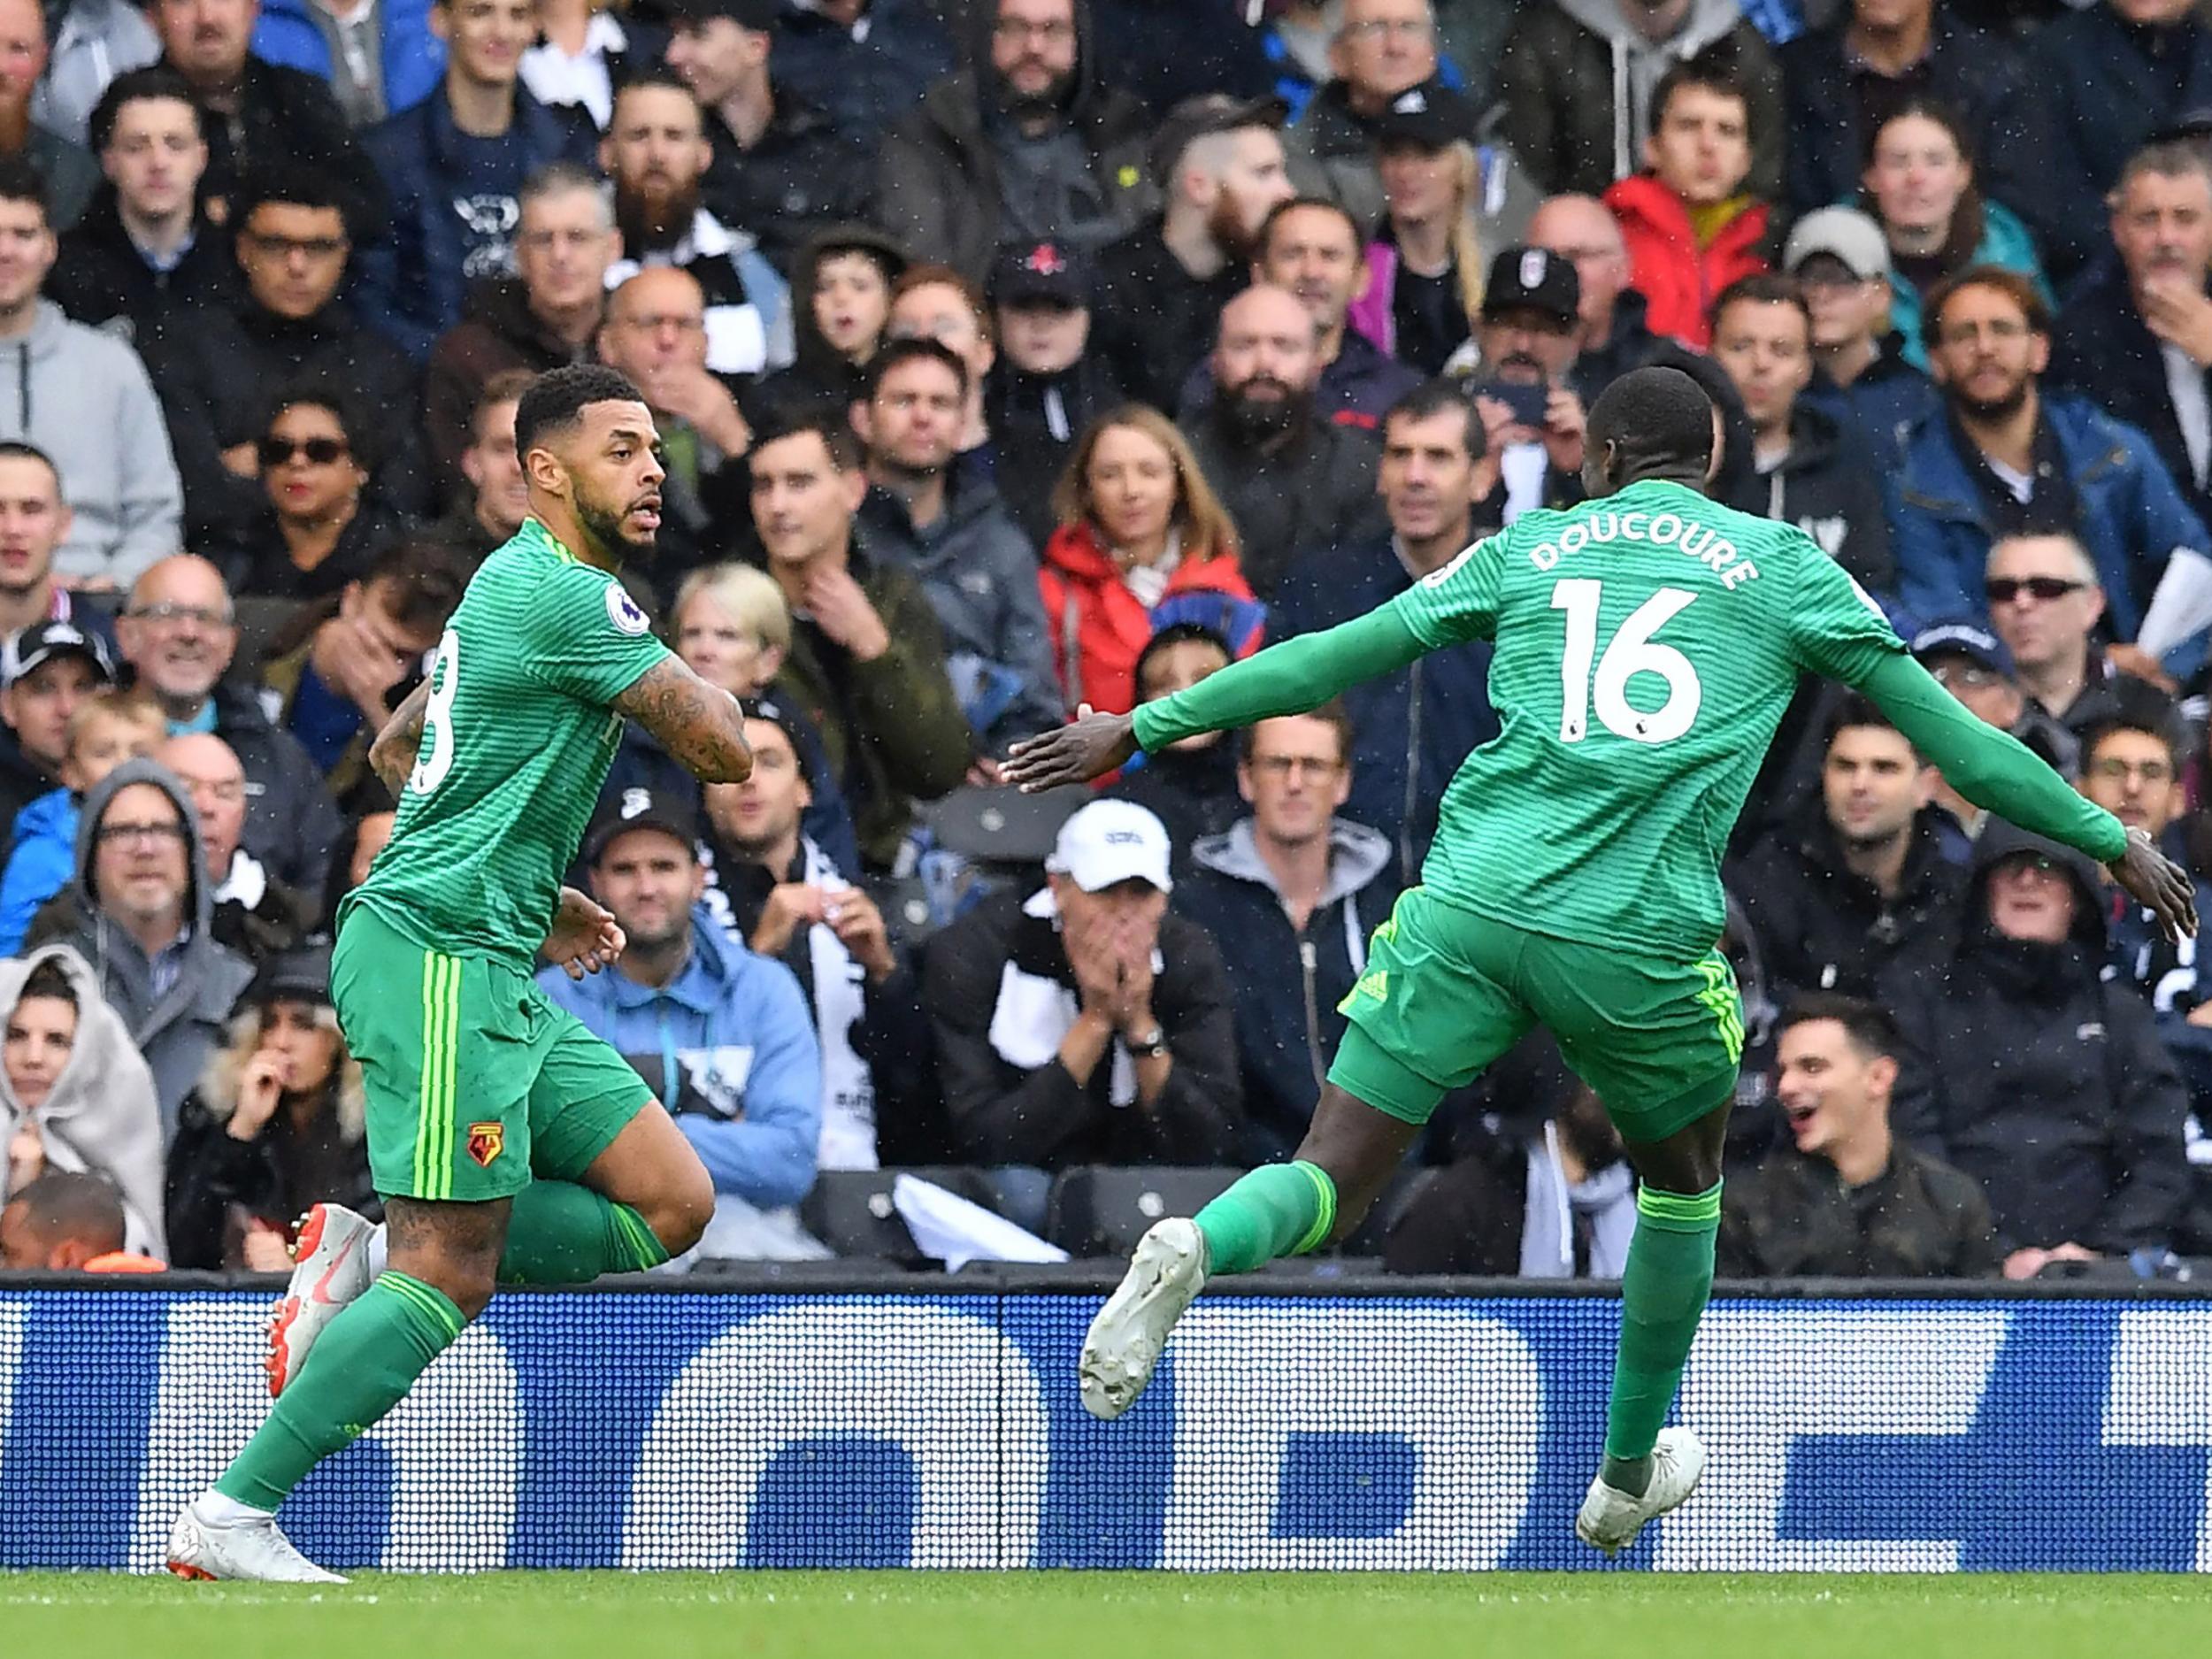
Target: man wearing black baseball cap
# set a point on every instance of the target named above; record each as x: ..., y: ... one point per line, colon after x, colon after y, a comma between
x: 782, y: 167
x: 45, y: 672
x: 1218, y: 161
x: 1529, y: 335
x: 1049, y: 384
x: 724, y: 1037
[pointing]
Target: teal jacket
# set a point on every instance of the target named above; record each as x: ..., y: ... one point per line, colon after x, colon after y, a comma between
x: 2005, y: 242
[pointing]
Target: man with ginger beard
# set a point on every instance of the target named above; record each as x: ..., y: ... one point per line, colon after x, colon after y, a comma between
x: 1288, y: 478
x: 656, y: 151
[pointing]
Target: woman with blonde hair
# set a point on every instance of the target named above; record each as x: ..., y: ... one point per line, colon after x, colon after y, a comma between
x: 1143, y: 543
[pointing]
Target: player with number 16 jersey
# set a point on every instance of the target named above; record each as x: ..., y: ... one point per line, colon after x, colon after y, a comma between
x: 1646, y: 646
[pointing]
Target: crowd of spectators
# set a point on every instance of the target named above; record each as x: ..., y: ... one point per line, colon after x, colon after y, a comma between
x: 1013, y: 356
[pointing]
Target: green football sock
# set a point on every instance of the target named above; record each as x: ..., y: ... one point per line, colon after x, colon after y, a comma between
x: 364, y: 1363
x: 1670, y: 1274
x: 561, y: 1233
x: 1283, y: 1210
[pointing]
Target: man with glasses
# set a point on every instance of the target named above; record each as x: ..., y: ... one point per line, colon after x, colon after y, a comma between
x: 1292, y: 893
x: 1975, y: 666
x: 1027, y: 146
x: 219, y: 378
x: 2008, y: 457
x: 1387, y: 69
x: 140, y: 910
x: 2045, y: 603
x: 178, y: 635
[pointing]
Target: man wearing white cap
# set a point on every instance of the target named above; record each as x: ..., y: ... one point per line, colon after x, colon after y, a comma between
x: 1083, y: 1023
x: 1860, y: 376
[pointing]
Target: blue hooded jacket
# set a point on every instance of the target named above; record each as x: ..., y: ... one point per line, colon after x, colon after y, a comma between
x: 730, y: 1040
x: 2132, y: 517
x: 413, y: 57
x: 42, y: 862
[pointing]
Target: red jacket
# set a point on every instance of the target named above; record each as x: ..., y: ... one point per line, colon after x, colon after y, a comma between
x: 1099, y: 628
x: 1679, y: 280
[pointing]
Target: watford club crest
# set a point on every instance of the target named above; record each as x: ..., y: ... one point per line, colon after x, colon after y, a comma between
x: 486, y: 1141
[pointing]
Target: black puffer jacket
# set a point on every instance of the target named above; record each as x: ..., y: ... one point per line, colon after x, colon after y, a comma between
x: 1821, y: 928
x: 1791, y: 1216
x: 2039, y: 1079
x: 1317, y: 489
x: 938, y: 184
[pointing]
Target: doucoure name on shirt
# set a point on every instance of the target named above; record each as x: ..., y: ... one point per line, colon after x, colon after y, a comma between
x: 1699, y: 542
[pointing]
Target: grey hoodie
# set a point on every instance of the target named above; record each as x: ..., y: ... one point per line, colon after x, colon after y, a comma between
x: 82, y: 396
x: 177, y: 1031
x: 1639, y: 61
x: 100, y: 1117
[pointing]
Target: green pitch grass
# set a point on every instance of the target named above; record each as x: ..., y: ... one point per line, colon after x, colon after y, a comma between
x: 1109, y: 1615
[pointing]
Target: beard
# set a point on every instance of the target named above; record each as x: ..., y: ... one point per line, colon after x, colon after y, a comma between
x: 1269, y: 414
x: 2002, y: 407
x: 1226, y: 225
x: 1031, y: 105
x: 656, y: 212
x: 608, y: 526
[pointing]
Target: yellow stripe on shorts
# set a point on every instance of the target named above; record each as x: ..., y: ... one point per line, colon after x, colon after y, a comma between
x: 441, y: 1058
x: 1719, y: 996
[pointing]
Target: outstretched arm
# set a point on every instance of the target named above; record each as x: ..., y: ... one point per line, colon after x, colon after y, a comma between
x: 1995, y: 771
x: 393, y: 754
x: 697, y: 723
x: 1292, y: 677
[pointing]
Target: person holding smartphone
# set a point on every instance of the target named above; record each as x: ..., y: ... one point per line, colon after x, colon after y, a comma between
x: 1527, y: 336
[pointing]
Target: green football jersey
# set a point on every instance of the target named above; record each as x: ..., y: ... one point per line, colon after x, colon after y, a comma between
x: 515, y: 744
x: 1646, y: 646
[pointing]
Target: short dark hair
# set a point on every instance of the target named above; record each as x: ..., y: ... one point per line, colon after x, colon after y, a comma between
x: 1707, y: 75
x: 506, y: 387
x: 49, y: 979
x: 1766, y: 288
x: 1177, y: 633
x: 74, y: 1204
x: 426, y: 579
x: 1432, y: 398
x: 1266, y: 237
x: 20, y: 181
x: 2019, y: 289
x: 364, y: 433
x: 1922, y: 107
x: 1866, y: 1023
x: 556, y: 400
x: 656, y: 81
x: 16, y: 450
x: 1853, y: 711
x: 2142, y: 715
x: 289, y: 184
x: 136, y: 86
x: 834, y: 431
x: 898, y: 353
x: 1333, y: 714
x: 1655, y: 414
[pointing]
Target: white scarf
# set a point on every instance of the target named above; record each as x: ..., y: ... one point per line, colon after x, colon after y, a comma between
x: 841, y: 997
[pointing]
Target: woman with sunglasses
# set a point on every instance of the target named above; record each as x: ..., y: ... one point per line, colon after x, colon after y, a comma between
x: 322, y: 528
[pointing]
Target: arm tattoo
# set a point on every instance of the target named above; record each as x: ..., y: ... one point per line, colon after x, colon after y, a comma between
x: 393, y: 754
x: 697, y: 723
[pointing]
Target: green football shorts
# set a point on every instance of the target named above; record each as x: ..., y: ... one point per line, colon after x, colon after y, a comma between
x: 476, y: 1082
x: 1447, y: 991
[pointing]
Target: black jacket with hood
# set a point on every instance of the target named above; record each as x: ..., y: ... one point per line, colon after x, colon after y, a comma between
x: 1828, y: 487
x: 939, y: 188
x: 2038, y: 1077
x: 177, y: 1028
x: 821, y: 378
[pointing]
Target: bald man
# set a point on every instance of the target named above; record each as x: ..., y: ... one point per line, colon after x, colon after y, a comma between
x: 1289, y: 478
x: 656, y: 333
x: 68, y: 1222
x: 255, y: 914
x: 179, y: 634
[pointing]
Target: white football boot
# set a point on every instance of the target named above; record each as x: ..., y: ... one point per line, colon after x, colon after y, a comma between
x: 1611, y: 1518
x: 250, y: 1551
x: 1125, y: 1341
x: 330, y: 1267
